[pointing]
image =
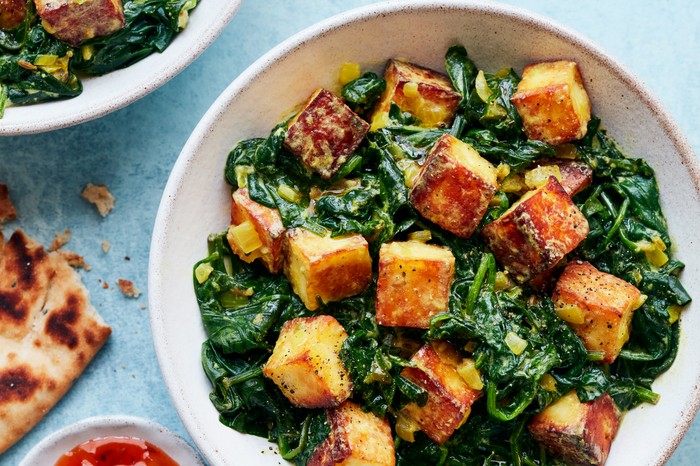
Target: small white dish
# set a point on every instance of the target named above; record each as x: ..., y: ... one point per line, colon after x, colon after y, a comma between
x: 104, y: 94
x: 49, y: 450
x: 197, y: 200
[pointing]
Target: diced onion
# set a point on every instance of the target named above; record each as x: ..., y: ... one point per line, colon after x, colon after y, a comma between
x: 348, y: 72
x: 245, y: 237
x: 516, y: 344
x: 406, y: 427
x: 548, y: 383
x: 540, y: 176
x: 422, y: 236
x: 202, y: 272
x: 470, y: 374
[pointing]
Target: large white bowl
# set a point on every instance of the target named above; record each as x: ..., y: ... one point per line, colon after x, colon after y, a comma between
x: 112, y: 91
x: 197, y: 200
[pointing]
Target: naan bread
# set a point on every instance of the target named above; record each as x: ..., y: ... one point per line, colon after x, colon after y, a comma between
x: 49, y: 333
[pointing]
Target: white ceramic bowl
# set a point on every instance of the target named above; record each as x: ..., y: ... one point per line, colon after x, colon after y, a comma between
x: 49, y: 450
x: 495, y: 36
x: 112, y: 91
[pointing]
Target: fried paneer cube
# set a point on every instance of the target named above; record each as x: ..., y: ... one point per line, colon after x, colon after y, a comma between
x: 325, y: 133
x: 413, y: 284
x: 575, y: 176
x: 579, y: 433
x: 426, y: 94
x: 536, y: 231
x: 12, y: 13
x: 450, y: 397
x: 455, y: 186
x: 305, y: 364
x: 75, y: 21
x: 357, y: 438
x: 552, y: 102
x: 322, y: 269
x: 598, y: 306
x: 256, y: 231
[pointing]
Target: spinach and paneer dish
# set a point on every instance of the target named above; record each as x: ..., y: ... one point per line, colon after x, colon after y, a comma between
x: 46, y: 45
x: 429, y: 269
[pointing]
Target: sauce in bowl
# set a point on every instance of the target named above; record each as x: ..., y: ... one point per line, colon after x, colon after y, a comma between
x: 116, y: 451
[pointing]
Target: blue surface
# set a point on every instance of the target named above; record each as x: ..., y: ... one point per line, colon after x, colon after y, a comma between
x: 132, y: 151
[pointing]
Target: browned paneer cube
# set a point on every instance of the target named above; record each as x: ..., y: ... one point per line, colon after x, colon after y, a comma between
x: 357, y: 438
x: 552, y: 102
x: 536, y: 232
x: 75, y: 21
x: 575, y: 176
x: 322, y: 269
x: 325, y: 133
x: 579, y: 433
x: 426, y: 94
x: 598, y: 306
x: 305, y: 364
x: 12, y: 13
x: 450, y: 397
x: 413, y: 284
x: 455, y: 186
x: 256, y: 231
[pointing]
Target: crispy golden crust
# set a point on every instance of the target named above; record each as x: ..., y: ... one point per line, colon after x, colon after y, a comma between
x: 75, y: 21
x: 536, y: 232
x: 325, y: 133
x: 49, y: 333
x: 12, y: 13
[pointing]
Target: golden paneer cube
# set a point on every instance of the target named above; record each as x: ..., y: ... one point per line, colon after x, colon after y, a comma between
x: 536, y: 232
x: 413, y: 284
x: 75, y: 21
x: 598, y: 306
x: 357, y: 438
x: 322, y: 269
x: 455, y: 186
x: 256, y: 231
x: 426, y: 94
x: 305, y: 364
x: 12, y: 13
x: 552, y: 102
x: 579, y: 433
x: 450, y: 397
x: 325, y: 133
x: 575, y: 175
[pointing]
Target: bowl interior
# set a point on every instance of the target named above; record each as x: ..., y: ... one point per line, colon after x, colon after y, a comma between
x: 112, y: 91
x: 196, y: 200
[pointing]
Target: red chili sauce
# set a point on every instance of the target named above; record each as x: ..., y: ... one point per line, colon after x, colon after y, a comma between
x: 116, y: 451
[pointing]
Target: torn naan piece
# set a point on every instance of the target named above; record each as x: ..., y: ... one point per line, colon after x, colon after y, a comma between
x: 49, y: 332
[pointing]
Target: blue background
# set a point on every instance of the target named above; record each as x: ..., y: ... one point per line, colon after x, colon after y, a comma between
x: 132, y: 151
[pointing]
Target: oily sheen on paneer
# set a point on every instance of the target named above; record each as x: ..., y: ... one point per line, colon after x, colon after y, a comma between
x: 322, y: 269
x: 579, y: 433
x: 598, y: 306
x: 536, y: 232
x: 455, y: 186
x: 450, y: 397
x: 357, y: 438
x: 552, y: 102
x: 426, y: 94
x: 325, y: 133
x: 256, y: 231
x: 305, y: 364
x: 12, y: 13
x: 75, y: 21
x: 413, y: 284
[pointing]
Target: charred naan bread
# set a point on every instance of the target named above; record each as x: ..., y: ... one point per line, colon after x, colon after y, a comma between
x: 49, y: 332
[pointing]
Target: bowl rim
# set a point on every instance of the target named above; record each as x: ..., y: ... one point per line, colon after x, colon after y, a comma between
x: 164, y: 72
x: 116, y: 425
x: 386, y: 8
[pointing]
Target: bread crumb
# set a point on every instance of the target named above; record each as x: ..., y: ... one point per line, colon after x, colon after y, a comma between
x: 74, y: 260
x: 105, y: 246
x: 127, y: 287
x: 100, y: 196
x: 60, y: 240
x: 7, y: 209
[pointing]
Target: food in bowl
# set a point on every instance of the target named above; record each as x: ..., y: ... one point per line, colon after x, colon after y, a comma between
x: 45, y: 47
x: 115, y: 451
x: 515, y: 330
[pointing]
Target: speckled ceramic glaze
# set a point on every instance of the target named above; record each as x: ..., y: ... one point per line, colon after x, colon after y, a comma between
x: 112, y: 91
x: 420, y: 31
x: 49, y: 450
